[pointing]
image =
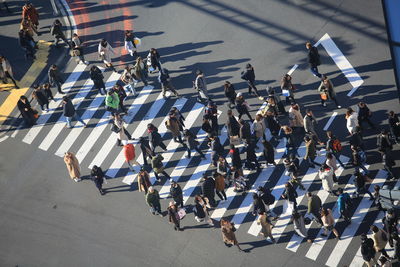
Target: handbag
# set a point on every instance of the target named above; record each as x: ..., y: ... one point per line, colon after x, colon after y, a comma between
x: 181, y: 213
x: 234, y: 140
x: 285, y: 92
x: 324, y: 96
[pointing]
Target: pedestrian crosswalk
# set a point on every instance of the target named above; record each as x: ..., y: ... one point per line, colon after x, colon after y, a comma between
x: 96, y: 145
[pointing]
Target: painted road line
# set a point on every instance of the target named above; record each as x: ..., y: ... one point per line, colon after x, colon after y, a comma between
x: 53, y: 105
x: 342, y: 62
x: 296, y: 240
x: 70, y: 15
x: 330, y: 121
x: 183, y: 162
x: 29, y: 78
x: 276, y: 192
x: 351, y: 230
x: 133, y: 109
x: 319, y: 242
x: 3, y: 138
x: 190, y: 186
x: 61, y: 123
x: 261, y: 180
x: 292, y: 69
x: 86, y: 116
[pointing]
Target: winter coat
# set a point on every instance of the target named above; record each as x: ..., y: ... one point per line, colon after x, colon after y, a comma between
x: 328, y: 220
x: 230, y: 92
x: 216, y: 149
x: 30, y: 13
x: 22, y: 106
x: 143, y: 181
x: 258, y: 206
x: 245, y: 132
x: 311, y: 151
x: 156, y: 163
x: 7, y: 68
x: 56, y: 30
x: 40, y: 97
x: 153, y: 199
x: 121, y: 94
x: 379, y: 242
x: 251, y: 153
x: 96, y: 75
x: 145, y: 147
x: 68, y: 109
x: 163, y: 77
x: 343, y: 201
x: 269, y: 152
x: 208, y: 187
x: 327, y: 179
x: 200, y: 83
x: 236, y: 160
x: 97, y: 177
x: 173, y: 216
x: 129, y: 152
x: 383, y: 143
x: 266, y: 226
x: 259, y: 128
x: 105, y: 52
x: 155, y: 138
x: 120, y: 124
x: 140, y: 70
x: 314, y: 204
x: 241, y: 106
x: 327, y: 89
x: 219, y: 183
x: 199, y: 210
x: 352, y: 122
x: 363, y: 113
x: 309, y: 124
x: 172, y: 124
x: 233, y: 126
x: 112, y: 100
x: 248, y: 75
x: 176, y: 193
x: 290, y: 194
x: 228, y: 235
x: 295, y: 118
x: 367, y: 249
x: 72, y: 164
x: 191, y: 140
x: 54, y: 76
x: 313, y: 57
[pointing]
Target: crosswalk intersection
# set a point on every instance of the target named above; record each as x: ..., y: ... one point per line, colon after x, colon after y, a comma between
x: 95, y: 145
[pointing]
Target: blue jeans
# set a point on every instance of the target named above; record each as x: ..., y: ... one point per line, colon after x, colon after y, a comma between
x: 314, y: 70
x: 76, y: 117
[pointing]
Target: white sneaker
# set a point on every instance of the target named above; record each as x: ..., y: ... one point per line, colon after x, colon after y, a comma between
x: 339, y: 106
x: 77, y: 179
x: 86, y: 62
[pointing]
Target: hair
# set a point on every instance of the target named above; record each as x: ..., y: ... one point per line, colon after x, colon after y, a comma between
x: 324, y: 211
x: 329, y: 134
x: 255, y: 196
x: 307, y: 138
x: 248, y: 66
x: 349, y: 111
x: 295, y: 106
x: 377, y: 188
x: 374, y: 228
x: 329, y: 155
x: 391, y: 113
x: 309, y: 194
x: 54, y: 66
x: 229, y: 112
x: 308, y: 45
x: 340, y: 190
x: 259, y: 117
x: 287, y: 129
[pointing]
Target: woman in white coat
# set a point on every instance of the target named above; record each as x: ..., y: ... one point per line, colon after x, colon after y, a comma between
x: 105, y: 50
x: 352, y: 120
x: 326, y: 175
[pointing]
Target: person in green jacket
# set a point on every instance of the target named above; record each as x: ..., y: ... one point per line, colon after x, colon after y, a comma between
x: 153, y: 200
x: 158, y: 167
x: 311, y: 152
x: 112, y: 102
x: 314, y: 206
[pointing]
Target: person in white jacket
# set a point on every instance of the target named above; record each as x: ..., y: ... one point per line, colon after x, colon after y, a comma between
x: 352, y: 120
x: 105, y: 50
x: 326, y: 175
x: 129, y: 44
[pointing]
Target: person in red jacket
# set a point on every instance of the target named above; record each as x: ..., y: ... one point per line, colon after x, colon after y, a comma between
x: 130, y: 155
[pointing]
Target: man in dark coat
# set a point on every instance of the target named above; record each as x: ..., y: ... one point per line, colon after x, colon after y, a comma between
x: 55, y: 78
x: 249, y: 76
x: 367, y: 249
x: 208, y: 189
x: 146, y: 150
x: 70, y: 113
x: 176, y: 193
x: 232, y: 124
x: 56, y: 31
x: 314, y: 206
x: 290, y: 194
x: 26, y: 111
x: 97, y: 77
x: 245, y: 131
x: 383, y: 141
x: 153, y: 200
x: 155, y: 138
x: 235, y: 155
x: 216, y: 149
x: 313, y: 59
x: 252, y: 157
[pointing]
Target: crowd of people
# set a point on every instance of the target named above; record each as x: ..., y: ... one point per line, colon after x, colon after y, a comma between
x: 281, y: 115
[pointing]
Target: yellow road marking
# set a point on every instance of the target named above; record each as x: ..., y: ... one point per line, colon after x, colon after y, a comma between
x: 30, y: 76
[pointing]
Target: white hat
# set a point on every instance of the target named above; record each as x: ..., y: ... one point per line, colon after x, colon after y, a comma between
x: 239, y: 94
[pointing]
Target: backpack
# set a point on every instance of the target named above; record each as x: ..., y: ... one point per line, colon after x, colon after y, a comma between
x: 336, y: 145
x: 366, y: 251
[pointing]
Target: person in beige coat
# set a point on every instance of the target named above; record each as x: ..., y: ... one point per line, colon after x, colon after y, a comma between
x: 172, y: 124
x: 326, y: 175
x: 380, y: 240
x: 295, y: 117
x: 228, y: 234
x: 143, y: 180
x: 266, y: 226
x: 6, y: 71
x: 72, y: 166
x: 259, y: 127
x: 328, y: 222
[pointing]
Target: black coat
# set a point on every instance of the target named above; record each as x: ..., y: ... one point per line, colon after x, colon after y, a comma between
x: 41, y: 97
x: 269, y: 152
x: 176, y: 193
x: 208, y: 187
x: 290, y: 194
x: 313, y: 57
x: 367, y: 249
x: 199, y: 211
x: 249, y: 75
x: 22, y: 106
x: 230, y: 92
x: 155, y: 138
x: 395, y: 129
x: 233, y: 126
x: 241, y: 106
x: 245, y: 132
x: 236, y: 160
x: 97, y: 177
x: 96, y: 75
x: 191, y: 140
x: 363, y: 113
x: 258, y: 206
x: 68, y: 109
x: 56, y: 30
x: 251, y: 152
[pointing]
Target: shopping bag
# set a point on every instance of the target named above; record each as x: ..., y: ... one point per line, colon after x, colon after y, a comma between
x: 137, y: 41
x: 285, y: 92
x: 130, y: 88
x: 324, y: 96
x: 181, y: 213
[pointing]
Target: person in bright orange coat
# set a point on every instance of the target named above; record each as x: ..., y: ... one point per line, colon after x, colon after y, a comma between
x: 130, y: 155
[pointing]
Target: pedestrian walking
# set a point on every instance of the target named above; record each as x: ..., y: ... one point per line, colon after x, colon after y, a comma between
x: 269, y: 153
x: 266, y: 226
x: 233, y: 127
x: 27, y: 43
x: 292, y: 165
x: 314, y: 205
x: 249, y: 76
x: 129, y: 79
x: 242, y: 106
x: 228, y: 234
x: 47, y: 91
x: 121, y: 95
x: 166, y: 83
x: 223, y: 168
x: 55, y: 78
x: 236, y: 161
x: 153, y: 200
x: 245, y: 131
x: 331, y: 162
x: 97, y: 175
x: 158, y: 167
x: 40, y: 96
x: 259, y: 128
x: 217, y: 149
x: 211, y: 113
x: 130, y: 43
x: 273, y: 124
x: 287, y: 134
x: 29, y: 12
x: 265, y: 195
x: 57, y: 32
x: 368, y: 251
x: 146, y: 149
x: 327, y: 91
x: 275, y: 95
x: 390, y: 225
x: 73, y: 167
x: 394, y: 124
x: 220, y: 186
x: 172, y: 124
x: 143, y: 181
x: 296, y: 120
x: 192, y: 143
x: 388, y: 164
x: 70, y: 113
x: 112, y: 102
x: 230, y: 93
x: 288, y: 88
x: 176, y: 193
x: 200, y: 210
x: 360, y: 182
x: 299, y: 224
x: 173, y: 216
x: 140, y: 70
x: 130, y: 155
x: 28, y: 26
x: 351, y: 120
x: 290, y: 195
x: 258, y: 205
x: 200, y: 85
x: 206, y: 127
x: 356, y: 138
x: 328, y: 223
x: 105, y: 50
x: 380, y: 240
x: 155, y: 138
x: 364, y: 115
x: 251, y: 158
x: 153, y: 60
x: 208, y: 189
x: 27, y: 113
x: 97, y: 77
x: 309, y: 125
x: 359, y: 159
x: 77, y: 49
x: 344, y: 205
x: 311, y: 152
x: 6, y: 71
x: 334, y: 146
x: 313, y: 59
x: 383, y: 141
x: 326, y: 175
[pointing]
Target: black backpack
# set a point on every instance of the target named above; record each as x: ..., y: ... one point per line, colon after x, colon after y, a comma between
x: 268, y: 198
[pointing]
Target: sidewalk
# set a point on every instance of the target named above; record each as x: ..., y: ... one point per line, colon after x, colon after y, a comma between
x: 26, y: 72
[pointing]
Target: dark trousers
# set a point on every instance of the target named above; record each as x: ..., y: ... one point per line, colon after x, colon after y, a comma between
x: 221, y: 194
x: 164, y: 173
x: 389, y: 170
x: 334, y: 100
x: 197, y: 149
x: 252, y: 86
x: 161, y: 144
x: 155, y: 208
x: 363, y: 190
x: 247, y: 113
x: 211, y: 199
x: 99, y: 84
x: 58, y: 83
x: 44, y: 105
x: 360, y: 122
x: 8, y: 75
x: 121, y: 105
x: 314, y: 70
x: 179, y: 201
